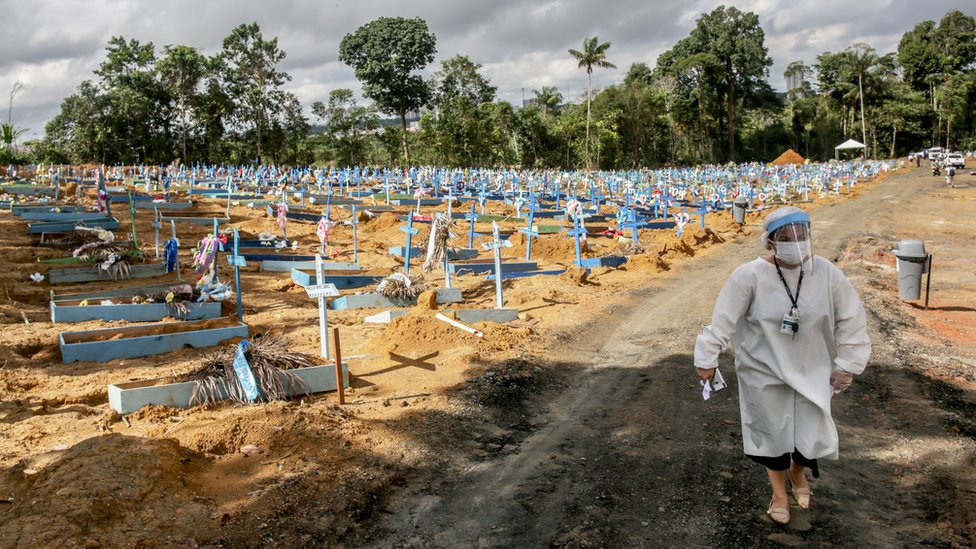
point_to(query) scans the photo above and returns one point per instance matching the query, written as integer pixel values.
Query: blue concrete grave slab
(163, 205)
(89, 274)
(20, 209)
(302, 216)
(609, 261)
(400, 251)
(61, 216)
(375, 300)
(126, 398)
(255, 244)
(283, 257)
(526, 274)
(334, 200)
(413, 202)
(71, 311)
(656, 225)
(470, 316)
(109, 224)
(117, 292)
(287, 266)
(126, 197)
(481, 266)
(106, 344)
(27, 190)
(341, 281)
(200, 219)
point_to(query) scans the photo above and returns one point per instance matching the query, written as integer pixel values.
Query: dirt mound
(97, 490)
(788, 157)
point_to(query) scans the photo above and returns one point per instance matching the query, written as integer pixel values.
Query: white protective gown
(784, 382)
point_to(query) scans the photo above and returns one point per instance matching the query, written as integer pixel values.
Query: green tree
(594, 54)
(136, 121)
(861, 60)
(548, 99)
(384, 54)
(736, 41)
(345, 121)
(182, 69)
(461, 128)
(249, 67)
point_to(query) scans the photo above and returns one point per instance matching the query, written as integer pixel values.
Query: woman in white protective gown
(800, 335)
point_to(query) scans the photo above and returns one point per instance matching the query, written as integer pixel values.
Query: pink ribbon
(323, 230)
(282, 220)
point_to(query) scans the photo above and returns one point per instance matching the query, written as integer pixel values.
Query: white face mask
(792, 253)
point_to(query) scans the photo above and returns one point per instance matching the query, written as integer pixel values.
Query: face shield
(790, 240)
(792, 247)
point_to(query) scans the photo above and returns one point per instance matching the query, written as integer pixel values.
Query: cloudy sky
(53, 45)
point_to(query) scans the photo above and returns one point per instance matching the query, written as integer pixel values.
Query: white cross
(497, 244)
(320, 291)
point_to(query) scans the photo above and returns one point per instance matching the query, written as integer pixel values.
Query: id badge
(790, 325)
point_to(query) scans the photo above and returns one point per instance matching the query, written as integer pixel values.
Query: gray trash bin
(912, 264)
(739, 210)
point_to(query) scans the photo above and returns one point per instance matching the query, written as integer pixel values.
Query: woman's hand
(840, 380)
(705, 374)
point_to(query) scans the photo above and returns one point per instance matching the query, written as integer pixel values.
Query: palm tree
(861, 60)
(594, 54)
(549, 98)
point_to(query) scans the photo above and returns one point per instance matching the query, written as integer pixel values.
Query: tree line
(707, 100)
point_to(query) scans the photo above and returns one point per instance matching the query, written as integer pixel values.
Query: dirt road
(624, 453)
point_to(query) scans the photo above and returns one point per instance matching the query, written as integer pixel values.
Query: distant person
(950, 173)
(800, 335)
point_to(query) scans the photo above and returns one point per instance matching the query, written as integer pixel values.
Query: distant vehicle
(935, 153)
(955, 160)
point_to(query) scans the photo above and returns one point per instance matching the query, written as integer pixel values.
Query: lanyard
(787, 286)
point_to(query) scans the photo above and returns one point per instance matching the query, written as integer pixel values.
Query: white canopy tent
(847, 145)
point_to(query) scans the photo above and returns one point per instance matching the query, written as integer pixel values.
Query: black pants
(782, 463)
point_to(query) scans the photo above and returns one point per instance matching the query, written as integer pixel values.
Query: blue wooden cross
(577, 232)
(703, 210)
(633, 226)
(529, 232)
(472, 217)
(496, 245)
(238, 261)
(482, 198)
(410, 232)
(355, 241)
(156, 225)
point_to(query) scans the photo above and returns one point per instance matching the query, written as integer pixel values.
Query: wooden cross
(320, 290)
(578, 231)
(156, 225)
(496, 245)
(406, 252)
(238, 261)
(355, 241)
(529, 231)
(471, 217)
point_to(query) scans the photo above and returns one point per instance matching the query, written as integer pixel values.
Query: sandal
(779, 515)
(802, 497)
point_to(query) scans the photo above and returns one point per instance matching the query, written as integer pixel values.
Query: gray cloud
(52, 45)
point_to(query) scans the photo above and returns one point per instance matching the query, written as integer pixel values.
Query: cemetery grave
(551, 271)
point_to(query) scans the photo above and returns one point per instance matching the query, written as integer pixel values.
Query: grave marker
(320, 291)
(410, 232)
(577, 232)
(238, 261)
(529, 232)
(496, 245)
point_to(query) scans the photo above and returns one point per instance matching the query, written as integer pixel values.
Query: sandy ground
(579, 425)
